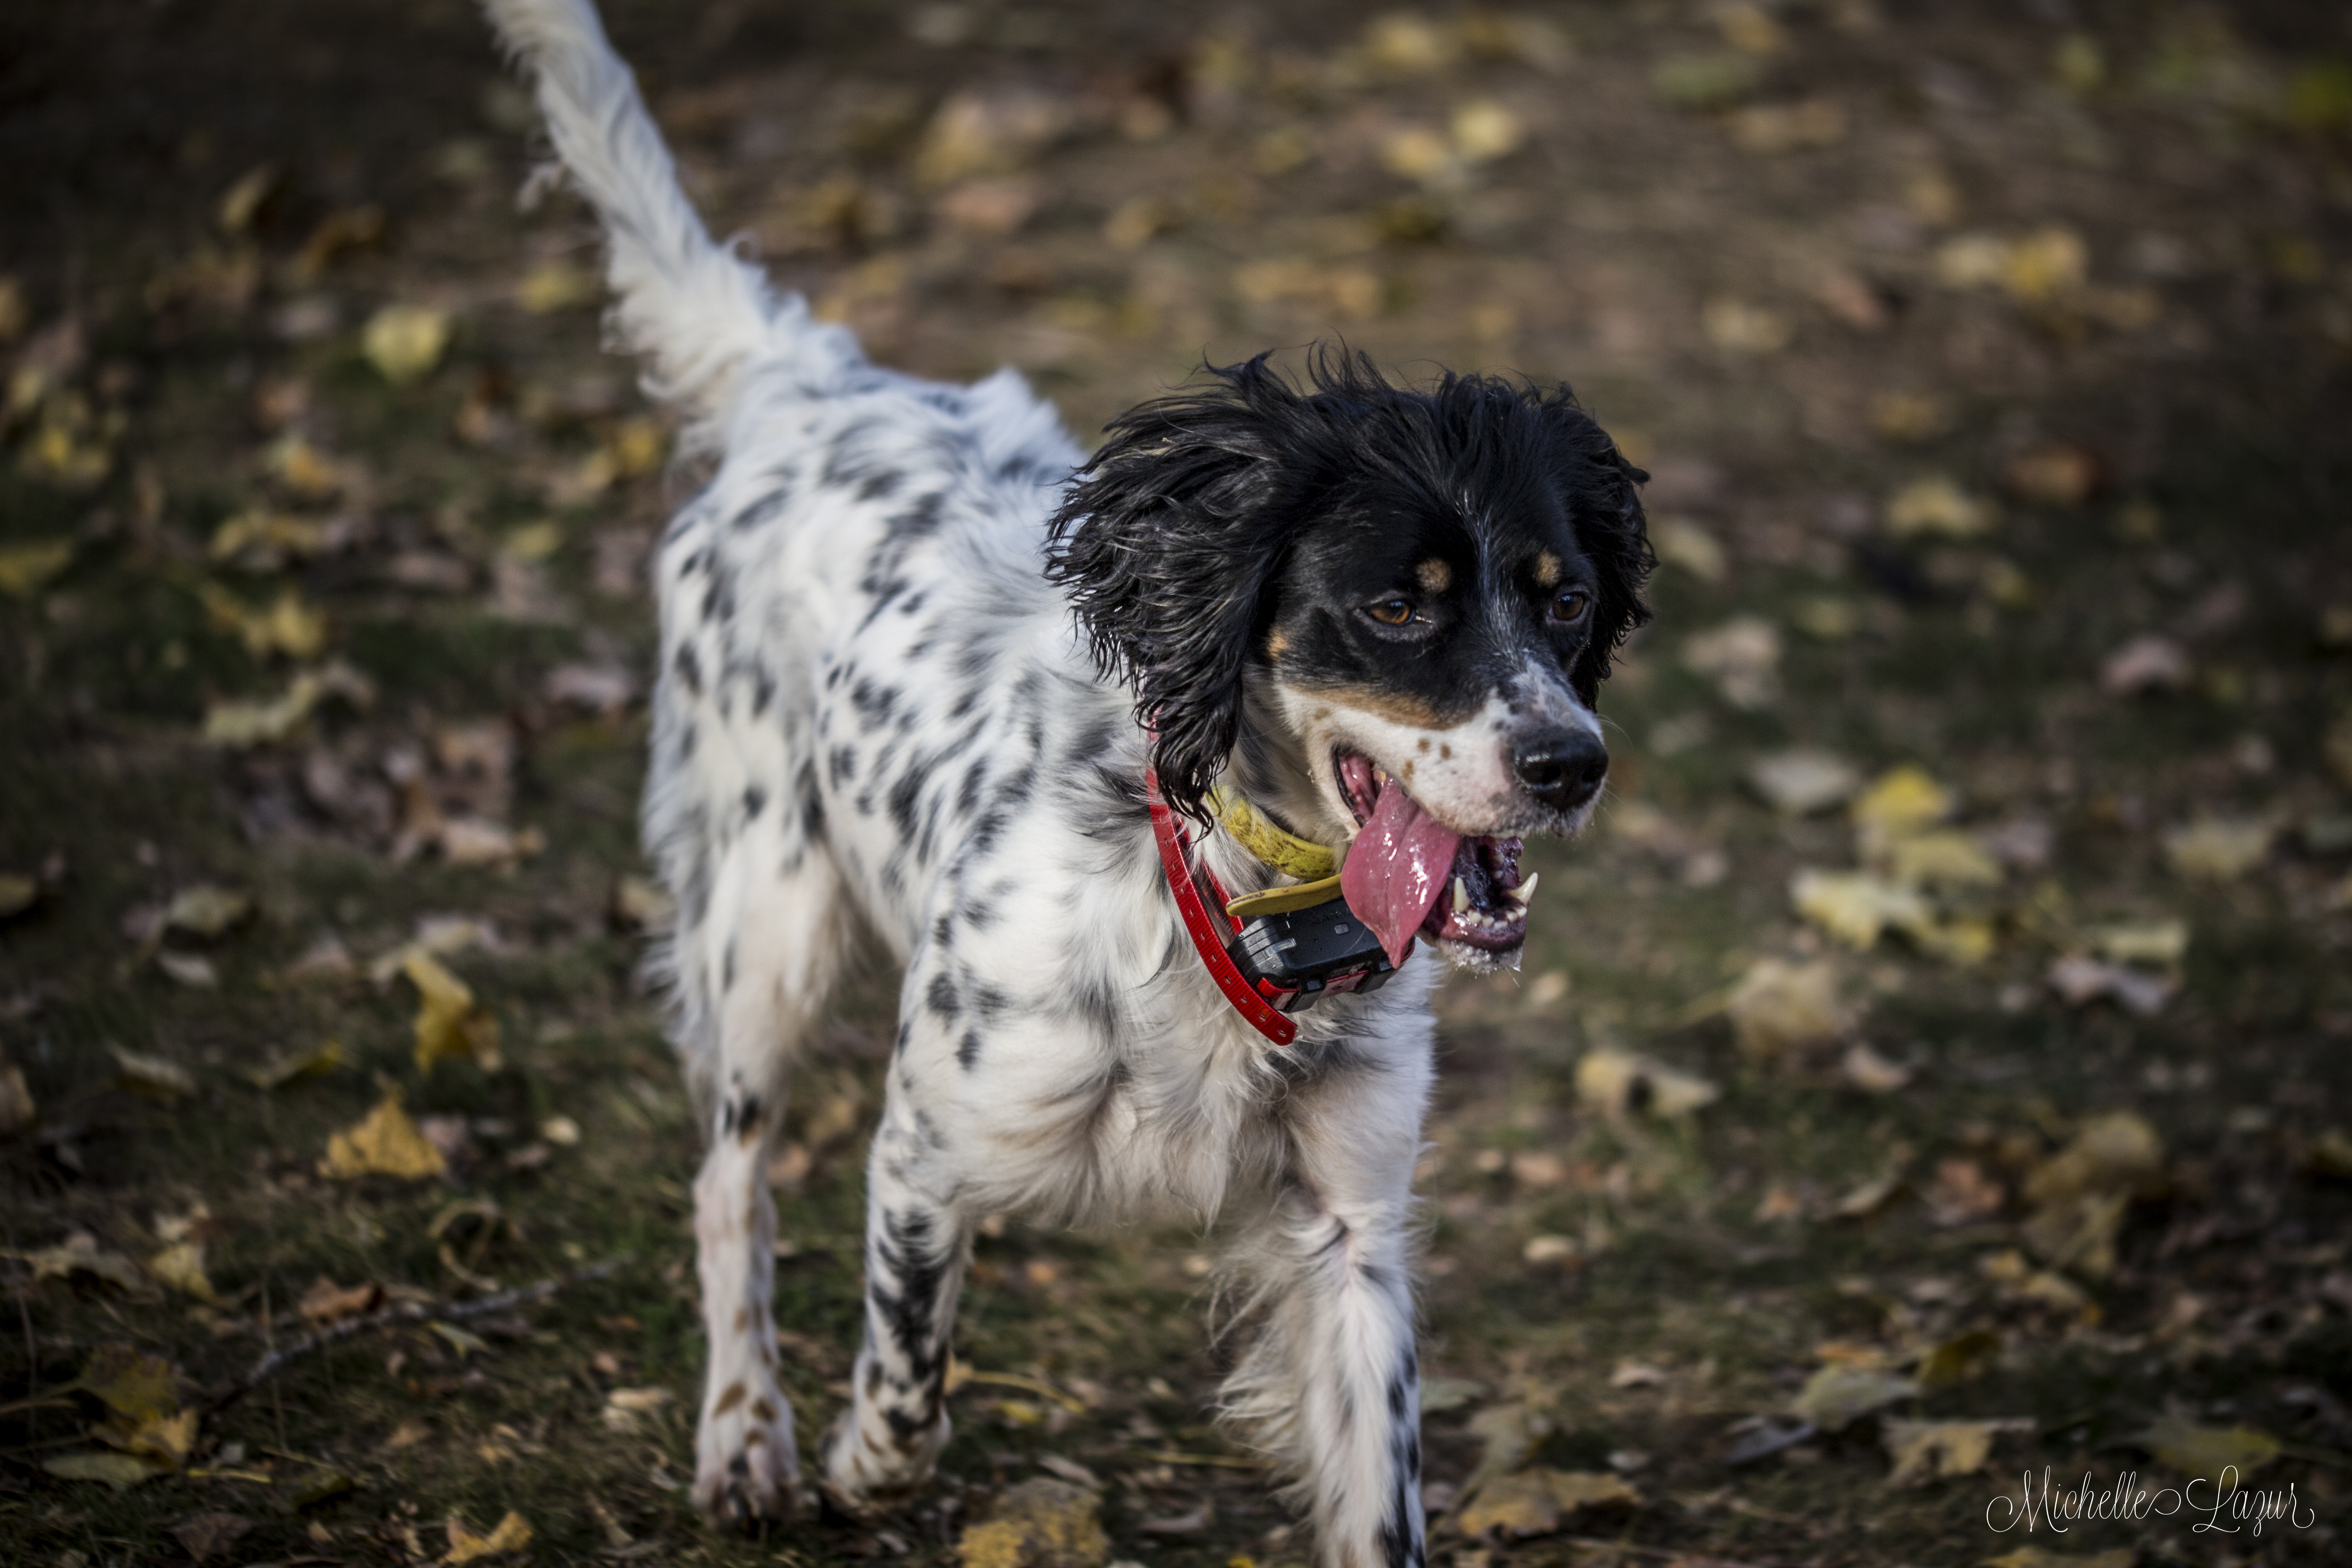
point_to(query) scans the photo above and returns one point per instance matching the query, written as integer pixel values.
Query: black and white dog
(918, 653)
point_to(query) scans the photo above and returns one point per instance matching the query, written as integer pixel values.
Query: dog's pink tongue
(1397, 867)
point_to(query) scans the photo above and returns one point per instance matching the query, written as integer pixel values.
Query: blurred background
(1930, 1070)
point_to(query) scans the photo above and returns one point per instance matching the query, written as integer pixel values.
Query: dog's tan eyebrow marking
(1434, 575)
(1547, 569)
(1276, 644)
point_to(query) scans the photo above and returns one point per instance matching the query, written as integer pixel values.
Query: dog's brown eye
(1571, 606)
(1389, 612)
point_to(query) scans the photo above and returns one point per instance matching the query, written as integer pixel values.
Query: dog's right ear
(1169, 544)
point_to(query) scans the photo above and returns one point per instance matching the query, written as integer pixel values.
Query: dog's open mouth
(1407, 872)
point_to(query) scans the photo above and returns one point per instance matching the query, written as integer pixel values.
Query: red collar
(1205, 922)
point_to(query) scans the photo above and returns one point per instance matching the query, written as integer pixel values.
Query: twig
(395, 1317)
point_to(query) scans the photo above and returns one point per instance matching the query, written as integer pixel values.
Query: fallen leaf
(18, 893)
(1902, 801)
(1857, 907)
(18, 1111)
(449, 1021)
(286, 626)
(1681, 542)
(2115, 1151)
(512, 1534)
(2143, 664)
(1871, 1196)
(1962, 1193)
(1778, 1009)
(2218, 849)
(1538, 1501)
(1932, 1450)
(328, 1303)
(27, 569)
(2043, 1557)
(322, 1485)
(2080, 979)
(207, 1535)
(2056, 473)
(1548, 1250)
(166, 1440)
(1836, 1396)
(2142, 941)
(557, 286)
(1439, 1394)
(623, 1406)
(1039, 1523)
(181, 1266)
(193, 970)
(1802, 781)
(242, 724)
(80, 1254)
(1738, 327)
(130, 1383)
(326, 1059)
(1705, 83)
(205, 910)
(1936, 507)
(1872, 1073)
(1742, 657)
(1958, 1358)
(1941, 859)
(385, 1142)
(151, 1077)
(1615, 1082)
(121, 1471)
(2207, 1451)
(1505, 1433)
(2077, 1233)
(405, 341)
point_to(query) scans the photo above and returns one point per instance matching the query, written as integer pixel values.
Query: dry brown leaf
(1538, 1501)
(1932, 1450)
(1779, 1009)
(1041, 1523)
(1838, 1395)
(1958, 1358)
(512, 1534)
(386, 1142)
(328, 1303)
(207, 1535)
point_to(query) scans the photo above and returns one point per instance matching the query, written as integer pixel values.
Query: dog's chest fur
(861, 661)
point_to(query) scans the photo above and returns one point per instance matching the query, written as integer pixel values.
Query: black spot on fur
(755, 801)
(916, 1269)
(942, 998)
(841, 766)
(689, 666)
(968, 1050)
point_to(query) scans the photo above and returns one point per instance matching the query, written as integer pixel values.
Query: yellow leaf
(1855, 907)
(242, 724)
(302, 469)
(556, 286)
(166, 1440)
(25, 569)
(205, 910)
(1938, 507)
(2116, 1151)
(1930, 1450)
(1681, 542)
(1904, 801)
(386, 1143)
(405, 341)
(2077, 1233)
(80, 1254)
(265, 535)
(1484, 130)
(2043, 1557)
(1952, 1360)
(1943, 859)
(182, 1267)
(2143, 942)
(448, 1023)
(131, 1384)
(1539, 1501)
(1039, 1523)
(1778, 1009)
(1836, 1396)
(326, 1059)
(2208, 1451)
(121, 1471)
(2218, 849)
(1616, 1082)
(512, 1534)
(286, 626)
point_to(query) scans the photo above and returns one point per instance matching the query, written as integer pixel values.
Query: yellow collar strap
(1283, 851)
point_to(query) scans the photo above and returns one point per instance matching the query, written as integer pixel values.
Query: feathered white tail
(697, 310)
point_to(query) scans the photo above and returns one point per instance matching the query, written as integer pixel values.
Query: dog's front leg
(884, 1444)
(1332, 1384)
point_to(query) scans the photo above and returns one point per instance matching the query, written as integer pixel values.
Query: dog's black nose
(1561, 768)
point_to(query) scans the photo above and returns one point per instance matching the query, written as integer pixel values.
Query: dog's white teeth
(1525, 891)
(1461, 898)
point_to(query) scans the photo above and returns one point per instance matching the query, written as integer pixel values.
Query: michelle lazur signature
(2215, 1506)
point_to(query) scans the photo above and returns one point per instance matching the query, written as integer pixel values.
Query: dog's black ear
(1602, 494)
(1169, 542)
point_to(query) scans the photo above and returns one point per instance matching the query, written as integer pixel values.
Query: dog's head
(1399, 602)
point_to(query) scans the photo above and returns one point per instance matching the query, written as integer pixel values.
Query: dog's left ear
(1603, 491)
(1169, 544)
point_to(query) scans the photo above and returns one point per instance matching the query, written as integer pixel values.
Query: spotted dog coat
(876, 712)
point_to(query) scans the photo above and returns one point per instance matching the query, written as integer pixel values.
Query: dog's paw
(867, 1474)
(746, 1474)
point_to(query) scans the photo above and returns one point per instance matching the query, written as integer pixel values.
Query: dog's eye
(1391, 611)
(1571, 605)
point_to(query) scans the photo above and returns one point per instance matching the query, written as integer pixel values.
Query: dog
(931, 672)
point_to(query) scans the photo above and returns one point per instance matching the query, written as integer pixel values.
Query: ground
(1931, 1070)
